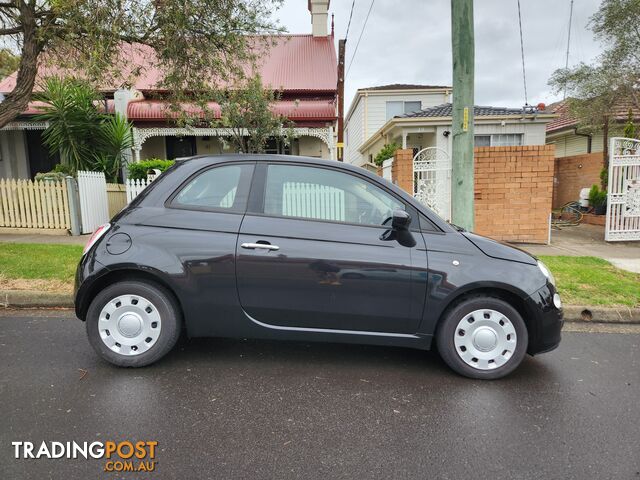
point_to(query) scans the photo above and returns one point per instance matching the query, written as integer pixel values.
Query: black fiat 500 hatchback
(283, 247)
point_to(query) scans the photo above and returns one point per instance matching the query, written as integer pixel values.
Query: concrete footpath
(588, 240)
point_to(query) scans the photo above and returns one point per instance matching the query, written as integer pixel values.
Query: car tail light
(95, 236)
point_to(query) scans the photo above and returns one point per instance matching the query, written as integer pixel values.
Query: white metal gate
(94, 206)
(623, 206)
(432, 180)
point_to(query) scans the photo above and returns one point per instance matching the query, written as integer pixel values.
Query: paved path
(588, 240)
(36, 238)
(255, 409)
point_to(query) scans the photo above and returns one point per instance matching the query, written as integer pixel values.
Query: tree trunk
(17, 101)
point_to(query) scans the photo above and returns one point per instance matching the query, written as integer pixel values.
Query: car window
(216, 188)
(325, 194)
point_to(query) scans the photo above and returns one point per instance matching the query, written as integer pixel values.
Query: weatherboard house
(303, 67)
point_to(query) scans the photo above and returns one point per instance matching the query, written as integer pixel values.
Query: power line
(566, 62)
(350, 17)
(355, 50)
(524, 72)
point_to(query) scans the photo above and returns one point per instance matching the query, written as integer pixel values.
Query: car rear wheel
(483, 338)
(133, 323)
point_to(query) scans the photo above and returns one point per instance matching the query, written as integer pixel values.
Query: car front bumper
(546, 321)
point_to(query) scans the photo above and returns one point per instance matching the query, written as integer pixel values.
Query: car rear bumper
(546, 321)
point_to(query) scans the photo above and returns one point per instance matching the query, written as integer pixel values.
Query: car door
(311, 253)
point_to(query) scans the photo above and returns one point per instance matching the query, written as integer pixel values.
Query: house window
(394, 109)
(482, 141)
(498, 140)
(398, 108)
(410, 107)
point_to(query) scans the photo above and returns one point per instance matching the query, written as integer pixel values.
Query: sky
(410, 42)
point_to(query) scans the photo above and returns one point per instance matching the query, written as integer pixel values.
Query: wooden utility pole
(341, 51)
(462, 183)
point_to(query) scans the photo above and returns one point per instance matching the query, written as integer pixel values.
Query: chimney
(319, 15)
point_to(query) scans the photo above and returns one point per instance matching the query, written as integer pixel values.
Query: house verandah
(22, 153)
(173, 142)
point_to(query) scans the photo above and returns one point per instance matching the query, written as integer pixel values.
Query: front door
(311, 254)
(178, 147)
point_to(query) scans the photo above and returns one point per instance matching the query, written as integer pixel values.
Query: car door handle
(266, 246)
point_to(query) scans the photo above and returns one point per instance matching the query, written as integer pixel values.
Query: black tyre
(133, 323)
(482, 337)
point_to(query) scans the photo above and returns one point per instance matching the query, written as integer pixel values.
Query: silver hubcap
(129, 325)
(485, 339)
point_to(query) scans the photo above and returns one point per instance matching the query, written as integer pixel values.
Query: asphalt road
(253, 409)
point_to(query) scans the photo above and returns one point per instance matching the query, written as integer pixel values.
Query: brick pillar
(402, 169)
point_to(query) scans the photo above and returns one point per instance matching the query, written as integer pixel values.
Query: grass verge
(34, 266)
(581, 280)
(593, 281)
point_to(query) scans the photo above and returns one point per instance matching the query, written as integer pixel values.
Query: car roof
(268, 157)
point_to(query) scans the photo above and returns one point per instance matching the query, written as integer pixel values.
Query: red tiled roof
(619, 113)
(294, 63)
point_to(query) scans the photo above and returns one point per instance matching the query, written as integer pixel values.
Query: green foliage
(630, 130)
(196, 45)
(604, 178)
(387, 152)
(8, 62)
(246, 111)
(139, 170)
(597, 197)
(612, 79)
(51, 176)
(85, 137)
(74, 120)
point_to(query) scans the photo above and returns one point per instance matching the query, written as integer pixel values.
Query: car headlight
(547, 273)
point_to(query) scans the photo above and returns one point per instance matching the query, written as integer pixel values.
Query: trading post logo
(122, 456)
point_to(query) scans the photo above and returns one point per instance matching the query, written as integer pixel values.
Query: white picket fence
(94, 204)
(34, 204)
(134, 187)
(314, 201)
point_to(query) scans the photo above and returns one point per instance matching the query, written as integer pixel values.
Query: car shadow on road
(321, 356)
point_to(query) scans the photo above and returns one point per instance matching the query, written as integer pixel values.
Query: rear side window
(218, 188)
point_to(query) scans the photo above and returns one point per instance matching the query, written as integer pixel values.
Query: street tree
(612, 80)
(197, 45)
(246, 110)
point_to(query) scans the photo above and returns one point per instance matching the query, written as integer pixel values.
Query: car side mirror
(400, 220)
(399, 230)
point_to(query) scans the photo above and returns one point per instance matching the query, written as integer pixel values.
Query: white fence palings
(34, 204)
(94, 205)
(134, 187)
(623, 202)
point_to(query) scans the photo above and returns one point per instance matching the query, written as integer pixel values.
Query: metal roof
(295, 63)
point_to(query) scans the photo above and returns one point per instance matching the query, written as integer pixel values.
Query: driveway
(588, 240)
(255, 409)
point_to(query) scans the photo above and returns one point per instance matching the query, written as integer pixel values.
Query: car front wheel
(482, 337)
(133, 323)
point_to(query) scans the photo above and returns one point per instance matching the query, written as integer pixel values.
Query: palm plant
(114, 140)
(74, 121)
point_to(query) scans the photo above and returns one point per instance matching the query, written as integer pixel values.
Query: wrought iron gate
(623, 206)
(432, 180)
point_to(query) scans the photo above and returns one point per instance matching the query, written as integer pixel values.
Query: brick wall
(513, 192)
(402, 169)
(574, 173)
